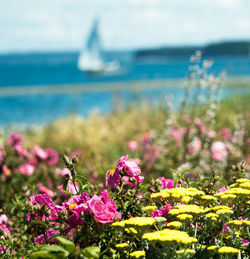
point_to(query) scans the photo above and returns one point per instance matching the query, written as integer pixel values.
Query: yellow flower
(138, 254)
(242, 180)
(228, 197)
(245, 185)
(119, 223)
(175, 224)
(235, 222)
(246, 222)
(186, 199)
(140, 221)
(208, 198)
(72, 205)
(212, 216)
(224, 211)
(185, 251)
(190, 208)
(149, 208)
(184, 216)
(131, 231)
(211, 248)
(169, 236)
(228, 250)
(219, 207)
(234, 185)
(122, 245)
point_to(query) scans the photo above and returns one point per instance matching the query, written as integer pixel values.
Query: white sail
(90, 58)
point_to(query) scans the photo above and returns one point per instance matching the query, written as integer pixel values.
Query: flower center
(72, 205)
(112, 171)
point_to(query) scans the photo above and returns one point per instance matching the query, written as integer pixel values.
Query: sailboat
(91, 59)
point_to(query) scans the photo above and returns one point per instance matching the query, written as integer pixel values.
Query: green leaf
(91, 252)
(66, 244)
(37, 222)
(42, 255)
(55, 249)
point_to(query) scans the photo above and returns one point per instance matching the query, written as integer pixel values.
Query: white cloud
(64, 24)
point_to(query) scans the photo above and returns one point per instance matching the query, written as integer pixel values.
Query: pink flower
(42, 199)
(16, 141)
(52, 156)
(152, 152)
(72, 188)
(63, 172)
(199, 124)
(2, 154)
(26, 169)
(133, 181)
(6, 170)
(74, 206)
(40, 153)
(103, 212)
(132, 145)
(4, 228)
(167, 183)
(223, 189)
(219, 151)
(77, 153)
(44, 189)
(146, 139)
(162, 212)
(211, 134)
(226, 133)
(3, 219)
(124, 167)
(245, 242)
(41, 239)
(195, 146)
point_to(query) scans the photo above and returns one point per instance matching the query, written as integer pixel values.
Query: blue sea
(31, 71)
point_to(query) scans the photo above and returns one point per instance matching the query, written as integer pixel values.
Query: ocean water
(38, 70)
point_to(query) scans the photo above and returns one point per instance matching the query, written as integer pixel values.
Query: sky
(64, 25)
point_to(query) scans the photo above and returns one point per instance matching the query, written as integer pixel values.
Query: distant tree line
(229, 48)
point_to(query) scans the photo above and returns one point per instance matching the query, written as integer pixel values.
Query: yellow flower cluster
(122, 245)
(131, 231)
(211, 248)
(136, 221)
(149, 208)
(178, 193)
(212, 216)
(235, 222)
(184, 216)
(185, 251)
(228, 250)
(186, 209)
(174, 224)
(241, 192)
(170, 235)
(224, 211)
(138, 254)
(208, 197)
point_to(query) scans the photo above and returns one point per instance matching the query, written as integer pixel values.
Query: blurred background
(61, 57)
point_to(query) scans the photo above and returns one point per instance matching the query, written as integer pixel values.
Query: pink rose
(132, 145)
(219, 151)
(26, 169)
(103, 212)
(40, 153)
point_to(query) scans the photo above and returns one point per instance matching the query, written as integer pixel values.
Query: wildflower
(122, 245)
(174, 224)
(212, 247)
(132, 145)
(40, 153)
(44, 189)
(52, 156)
(16, 141)
(208, 198)
(162, 212)
(124, 167)
(224, 211)
(140, 221)
(184, 216)
(103, 212)
(228, 197)
(219, 151)
(185, 251)
(130, 230)
(186, 199)
(228, 250)
(26, 169)
(235, 222)
(6, 170)
(242, 180)
(42, 239)
(212, 216)
(138, 254)
(149, 208)
(166, 183)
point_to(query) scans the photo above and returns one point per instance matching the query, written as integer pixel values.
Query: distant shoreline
(139, 85)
